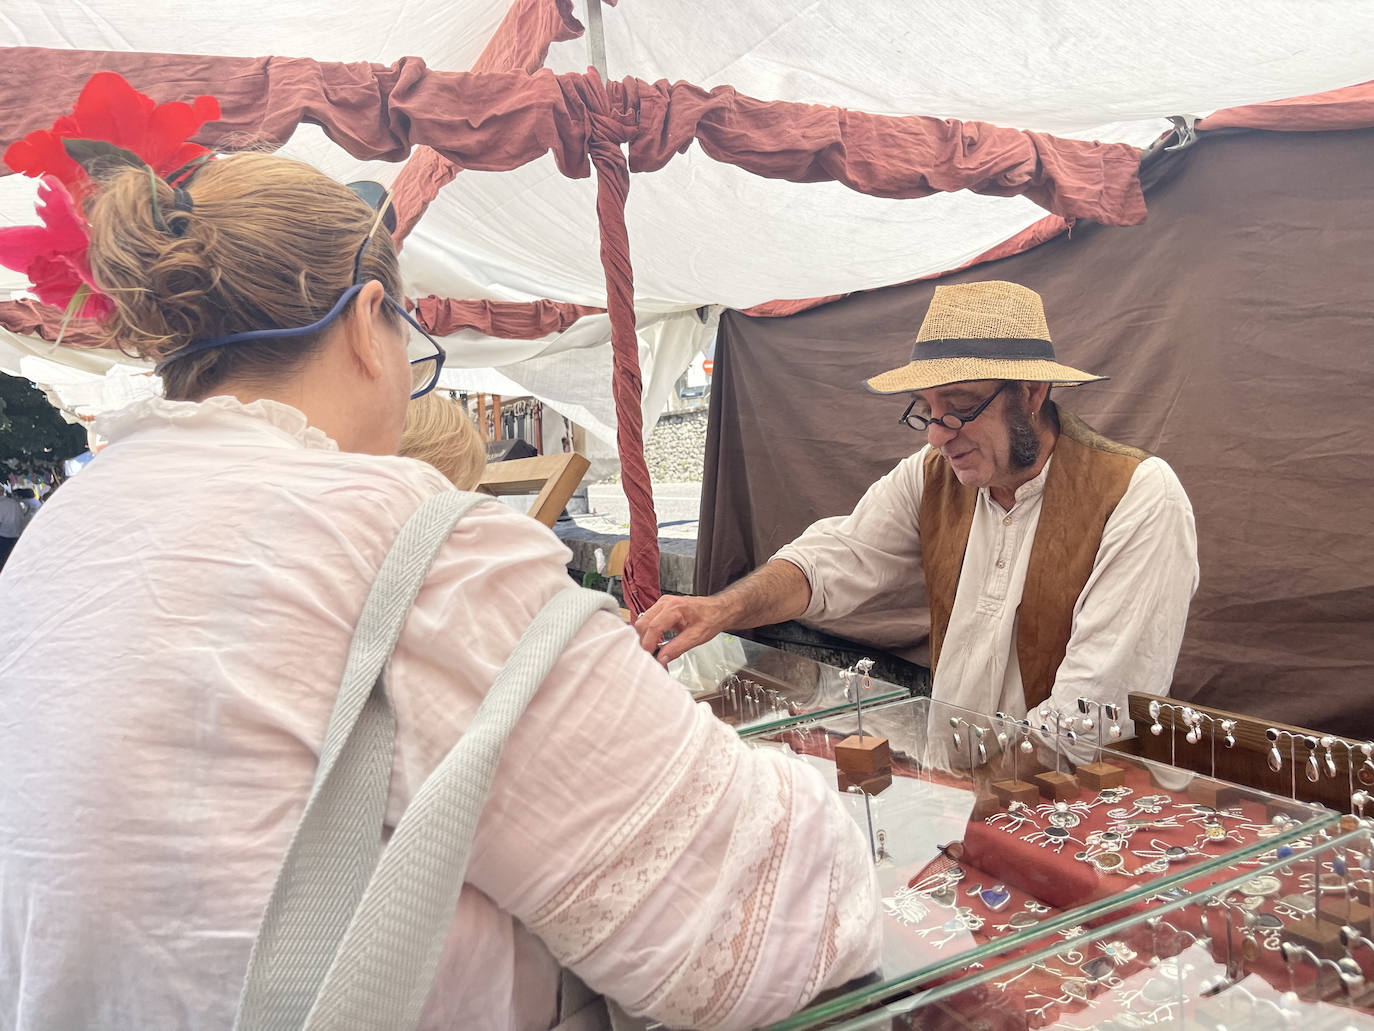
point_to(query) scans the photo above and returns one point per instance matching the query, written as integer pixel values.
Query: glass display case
(755, 687)
(1287, 943)
(991, 847)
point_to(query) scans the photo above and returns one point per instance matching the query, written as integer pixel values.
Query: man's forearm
(774, 593)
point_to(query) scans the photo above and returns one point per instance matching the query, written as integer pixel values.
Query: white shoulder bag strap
(348, 941)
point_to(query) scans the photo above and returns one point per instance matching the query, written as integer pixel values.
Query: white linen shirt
(175, 626)
(1127, 622)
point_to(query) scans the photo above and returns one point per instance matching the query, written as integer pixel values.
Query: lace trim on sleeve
(634, 860)
(712, 978)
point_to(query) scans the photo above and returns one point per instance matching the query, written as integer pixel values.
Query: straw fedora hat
(992, 330)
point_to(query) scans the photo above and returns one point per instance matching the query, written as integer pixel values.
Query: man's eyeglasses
(954, 421)
(425, 355)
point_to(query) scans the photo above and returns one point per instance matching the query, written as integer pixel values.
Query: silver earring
(1327, 743)
(1275, 756)
(1314, 772)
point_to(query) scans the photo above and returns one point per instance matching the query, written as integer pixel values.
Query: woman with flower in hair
(178, 619)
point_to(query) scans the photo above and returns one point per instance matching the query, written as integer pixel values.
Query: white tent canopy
(704, 233)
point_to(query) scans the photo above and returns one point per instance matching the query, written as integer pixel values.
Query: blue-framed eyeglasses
(950, 420)
(425, 355)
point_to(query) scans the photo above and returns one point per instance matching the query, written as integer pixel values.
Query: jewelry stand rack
(1341, 769)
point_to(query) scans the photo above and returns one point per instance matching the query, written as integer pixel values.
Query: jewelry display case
(1217, 952)
(755, 687)
(988, 843)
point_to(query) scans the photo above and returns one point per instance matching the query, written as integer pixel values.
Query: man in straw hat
(1057, 564)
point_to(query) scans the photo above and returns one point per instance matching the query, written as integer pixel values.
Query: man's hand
(696, 620)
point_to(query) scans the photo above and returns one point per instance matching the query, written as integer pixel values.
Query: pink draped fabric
(509, 320)
(520, 43)
(496, 121)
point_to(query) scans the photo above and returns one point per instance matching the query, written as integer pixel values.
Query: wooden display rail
(1248, 761)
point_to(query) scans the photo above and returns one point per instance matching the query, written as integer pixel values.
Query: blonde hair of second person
(438, 431)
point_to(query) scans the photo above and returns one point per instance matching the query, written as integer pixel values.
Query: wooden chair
(552, 477)
(615, 569)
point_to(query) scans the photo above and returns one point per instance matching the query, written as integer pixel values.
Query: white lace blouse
(174, 628)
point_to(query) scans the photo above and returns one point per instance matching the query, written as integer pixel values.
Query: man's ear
(368, 348)
(1036, 395)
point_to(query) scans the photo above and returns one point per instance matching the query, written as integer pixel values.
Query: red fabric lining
(521, 43)
(509, 320)
(1350, 107)
(33, 318)
(499, 121)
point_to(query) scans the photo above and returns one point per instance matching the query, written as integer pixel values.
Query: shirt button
(1001, 564)
(1006, 521)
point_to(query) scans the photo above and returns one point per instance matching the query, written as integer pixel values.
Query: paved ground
(677, 505)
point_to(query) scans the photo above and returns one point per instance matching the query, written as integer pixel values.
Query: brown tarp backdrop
(1237, 325)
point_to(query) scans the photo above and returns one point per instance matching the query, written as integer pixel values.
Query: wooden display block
(1213, 793)
(1361, 890)
(1059, 786)
(1100, 775)
(1008, 791)
(870, 785)
(986, 805)
(1321, 936)
(1343, 910)
(862, 757)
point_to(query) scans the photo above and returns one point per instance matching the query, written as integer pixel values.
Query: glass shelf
(1239, 951)
(757, 688)
(1028, 869)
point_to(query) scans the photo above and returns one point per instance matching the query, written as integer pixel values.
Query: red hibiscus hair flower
(112, 111)
(111, 118)
(53, 255)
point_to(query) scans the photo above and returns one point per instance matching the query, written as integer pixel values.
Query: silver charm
(907, 905)
(1156, 728)
(964, 919)
(1051, 837)
(1275, 756)
(1328, 743)
(1017, 814)
(1163, 851)
(994, 898)
(1313, 771)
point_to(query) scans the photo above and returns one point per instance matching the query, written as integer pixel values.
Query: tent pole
(596, 38)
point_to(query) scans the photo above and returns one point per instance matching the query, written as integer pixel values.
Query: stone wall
(676, 449)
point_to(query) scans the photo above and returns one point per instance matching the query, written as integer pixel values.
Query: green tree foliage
(33, 437)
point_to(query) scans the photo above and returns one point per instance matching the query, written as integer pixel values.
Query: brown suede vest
(1086, 481)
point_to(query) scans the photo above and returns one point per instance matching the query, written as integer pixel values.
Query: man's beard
(1025, 445)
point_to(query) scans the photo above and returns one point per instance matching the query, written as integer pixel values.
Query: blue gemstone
(1338, 864)
(994, 900)
(1285, 852)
